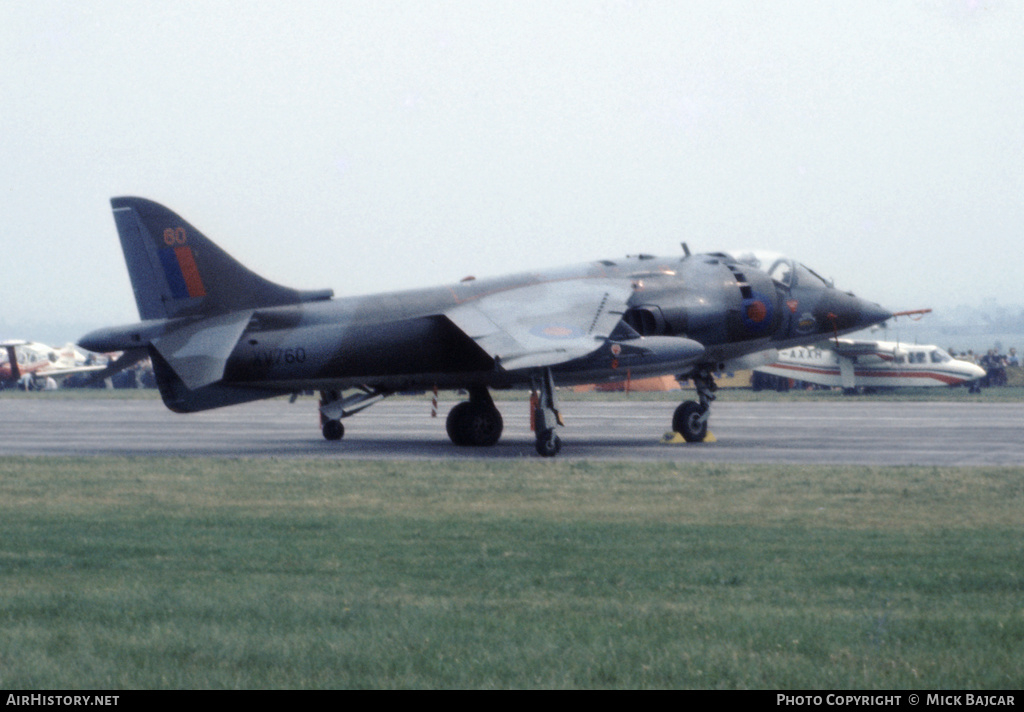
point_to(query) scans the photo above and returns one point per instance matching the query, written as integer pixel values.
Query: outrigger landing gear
(333, 408)
(691, 419)
(546, 415)
(331, 428)
(476, 422)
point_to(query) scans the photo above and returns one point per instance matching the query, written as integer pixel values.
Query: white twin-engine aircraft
(33, 364)
(872, 364)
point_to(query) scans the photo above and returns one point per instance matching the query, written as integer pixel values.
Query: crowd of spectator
(994, 363)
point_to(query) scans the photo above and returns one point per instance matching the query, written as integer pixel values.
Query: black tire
(687, 422)
(548, 444)
(474, 425)
(456, 432)
(333, 430)
(483, 425)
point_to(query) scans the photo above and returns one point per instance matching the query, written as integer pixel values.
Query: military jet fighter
(872, 364)
(218, 334)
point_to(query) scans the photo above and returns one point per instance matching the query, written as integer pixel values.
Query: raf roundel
(757, 313)
(556, 331)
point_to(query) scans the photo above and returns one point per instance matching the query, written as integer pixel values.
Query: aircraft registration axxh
(872, 364)
(31, 363)
(218, 334)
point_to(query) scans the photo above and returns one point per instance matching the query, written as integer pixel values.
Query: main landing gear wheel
(689, 421)
(474, 424)
(333, 430)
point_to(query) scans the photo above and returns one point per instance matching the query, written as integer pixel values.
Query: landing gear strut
(476, 422)
(331, 427)
(333, 408)
(546, 415)
(691, 419)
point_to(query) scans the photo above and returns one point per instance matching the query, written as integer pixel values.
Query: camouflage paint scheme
(219, 334)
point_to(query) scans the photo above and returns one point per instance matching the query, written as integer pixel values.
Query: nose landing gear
(691, 418)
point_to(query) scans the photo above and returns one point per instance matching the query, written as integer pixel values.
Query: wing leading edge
(543, 324)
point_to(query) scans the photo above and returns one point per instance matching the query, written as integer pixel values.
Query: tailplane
(177, 271)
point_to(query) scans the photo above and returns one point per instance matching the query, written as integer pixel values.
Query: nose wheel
(691, 419)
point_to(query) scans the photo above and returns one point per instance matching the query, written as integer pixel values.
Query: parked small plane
(32, 363)
(218, 334)
(872, 364)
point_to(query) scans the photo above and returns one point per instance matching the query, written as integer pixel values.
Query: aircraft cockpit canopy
(924, 355)
(784, 270)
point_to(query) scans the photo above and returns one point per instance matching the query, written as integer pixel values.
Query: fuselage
(875, 365)
(670, 315)
(402, 340)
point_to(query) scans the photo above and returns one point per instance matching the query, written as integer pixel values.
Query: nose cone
(844, 312)
(871, 313)
(970, 371)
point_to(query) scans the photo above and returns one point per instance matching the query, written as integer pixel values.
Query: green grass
(193, 573)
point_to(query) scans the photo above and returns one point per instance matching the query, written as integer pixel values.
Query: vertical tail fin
(12, 359)
(177, 271)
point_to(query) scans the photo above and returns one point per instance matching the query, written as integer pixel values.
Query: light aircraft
(218, 334)
(32, 363)
(872, 364)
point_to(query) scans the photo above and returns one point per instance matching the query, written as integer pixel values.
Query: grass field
(193, 573)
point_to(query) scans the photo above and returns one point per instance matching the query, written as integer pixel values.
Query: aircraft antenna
(915, 314)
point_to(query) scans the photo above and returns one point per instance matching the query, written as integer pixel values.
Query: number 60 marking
(174, 236)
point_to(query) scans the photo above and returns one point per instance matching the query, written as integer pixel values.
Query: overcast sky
(372, 146)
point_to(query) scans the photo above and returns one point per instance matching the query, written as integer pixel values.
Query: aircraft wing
(126, 360)
(863, 351)
(822, 375)
(543, 324)
(57, 372)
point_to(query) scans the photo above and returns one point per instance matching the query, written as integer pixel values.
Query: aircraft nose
(871, 313)
(845, 312)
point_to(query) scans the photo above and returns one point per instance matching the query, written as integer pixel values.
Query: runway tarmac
(853, 431)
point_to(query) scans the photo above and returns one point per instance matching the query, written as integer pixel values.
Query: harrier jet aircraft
(218, 334)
